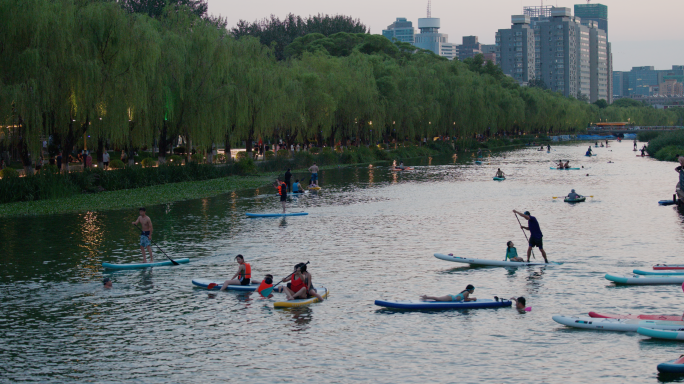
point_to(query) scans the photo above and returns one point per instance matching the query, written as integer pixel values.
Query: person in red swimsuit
(296, 288)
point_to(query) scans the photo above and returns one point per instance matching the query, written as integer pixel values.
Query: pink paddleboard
(635, 317)
(660, 267)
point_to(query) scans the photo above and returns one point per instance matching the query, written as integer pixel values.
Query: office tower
(489, 52)
(469, 48)
(515, 49)
(599, 13)
(401, 30)
(617, 84)
(429, 38)
(647, 81)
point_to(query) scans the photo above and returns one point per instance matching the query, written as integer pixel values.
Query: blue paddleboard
(439, 305)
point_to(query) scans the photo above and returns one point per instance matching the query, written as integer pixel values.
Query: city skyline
(633, 45)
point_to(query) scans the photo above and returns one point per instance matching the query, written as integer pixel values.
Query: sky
(642, 33)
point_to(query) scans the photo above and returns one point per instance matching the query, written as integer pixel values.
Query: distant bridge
(615, 128)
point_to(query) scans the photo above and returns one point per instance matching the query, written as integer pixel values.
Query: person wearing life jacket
(296, 288)
(281, 187)
(311, 291)
(243, 275)
(266, 287)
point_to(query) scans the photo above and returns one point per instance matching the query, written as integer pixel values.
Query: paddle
(524, 233)
(162, 251)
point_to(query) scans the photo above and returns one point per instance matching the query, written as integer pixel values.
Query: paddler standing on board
(535, 234)
(146, 235)
(281, 187)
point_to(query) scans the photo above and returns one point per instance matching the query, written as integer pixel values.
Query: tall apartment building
(599, 13)
(489, 52)
(469, 48)
(401, 30)
(515, 49)
(429, 38)
(598, 63)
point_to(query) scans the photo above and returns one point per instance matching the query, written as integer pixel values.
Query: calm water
(371, 234)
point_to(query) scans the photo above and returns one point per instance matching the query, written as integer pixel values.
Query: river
(371, 234)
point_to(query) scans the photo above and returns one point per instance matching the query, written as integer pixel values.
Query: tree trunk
(100, 152)
(226, 149)
(69, 141)
(210, 154)
(163, 145)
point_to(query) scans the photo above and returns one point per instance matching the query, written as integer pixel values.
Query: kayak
(667, 202)
(658, 273)
(204, 283)
(499, 178)
(577, 200)
(659, 267)
(144, 265)
(275, 214)
(566, 169)
(651, 280)
(491, 263)
(672, 366)
(661, 334)
(635, 317)
(440, 305)
(618, 325)
(302, 302)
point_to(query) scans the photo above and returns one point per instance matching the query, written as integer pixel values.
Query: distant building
(515, 49)
(599, 13)
(617, 84)
(489, 52)
(401, 30)
(429, 38)
(469, 48)
(598, 64)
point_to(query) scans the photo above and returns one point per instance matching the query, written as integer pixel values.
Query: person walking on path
(314, 174)
(288, 179)
(535, 234)
(146, 235)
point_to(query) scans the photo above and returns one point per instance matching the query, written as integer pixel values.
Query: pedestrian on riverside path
(288, 180)
(535, 234)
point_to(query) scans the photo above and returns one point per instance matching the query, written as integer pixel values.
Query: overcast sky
(642, 32)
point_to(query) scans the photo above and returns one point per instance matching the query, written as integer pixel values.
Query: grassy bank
(665, 146)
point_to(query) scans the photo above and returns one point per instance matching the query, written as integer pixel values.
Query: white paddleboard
(645, 280)
(492, 263)
(619, 325)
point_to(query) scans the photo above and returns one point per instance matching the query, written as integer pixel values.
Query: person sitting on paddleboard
(560, 164)
(266, 287)
(573, 196)
(296, 288)
(243, 275)
(566, 165)
(296, 187)
(548, 147)
(499, 173)
(535, 234)
(512, 253)
(643, 152)
(401, 165)
(463, 296)
(309, 282)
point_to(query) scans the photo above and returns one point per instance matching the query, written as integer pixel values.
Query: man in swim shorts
(535, 234)
(243, 275)
(314, 174)
(146, 235)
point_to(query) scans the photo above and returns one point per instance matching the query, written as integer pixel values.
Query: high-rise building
(489, 52)
(599, 13)
(515, 49)
(647, 81)
(429, 38)
(598, 63)
(401, 30)
(469, 48)
(617, 84)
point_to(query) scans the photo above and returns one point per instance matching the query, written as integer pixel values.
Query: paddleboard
(672, 366)
(499, 178)
(589, 155)
(618, 325)
(275, 214)
(478, 162)
(566, 169)
(405, 169)
(667, 202)
(323, 291)
(658, 273)
(491, 263)
(204, 283)
(661, 334)
(314, 188)
(650, 280)
(659, 267)
(144, 265)
(440, 305)
(635, 317)
(578, 200)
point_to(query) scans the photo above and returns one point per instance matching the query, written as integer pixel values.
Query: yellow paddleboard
(323, 291)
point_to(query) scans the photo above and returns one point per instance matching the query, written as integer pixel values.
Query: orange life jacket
(248, 272)
(282, 189)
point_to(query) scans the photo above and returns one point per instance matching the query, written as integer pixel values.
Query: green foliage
(283, 153)
(9, 173)
(269, 155)
(174, 160)
(116, 164)
(220, 158)
(240, 155)
(314, 150)
(197, 158)
(667, 142)
(669, 153)
(148, 162)
(245, 167)
(303, 159)
(627, 102)
(179, 150)
(327, 158)
(602, 104)
(648, 135)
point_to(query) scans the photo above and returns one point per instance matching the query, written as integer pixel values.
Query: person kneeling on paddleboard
(243, 275)
(463, 296)
(308, 281)
(512, 253)
(535, 234)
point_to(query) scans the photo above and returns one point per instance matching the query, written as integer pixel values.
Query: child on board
(464, 296)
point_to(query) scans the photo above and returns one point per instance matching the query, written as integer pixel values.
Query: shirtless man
(146, 235)
(314, 174)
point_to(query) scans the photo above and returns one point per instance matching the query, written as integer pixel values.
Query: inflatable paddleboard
(204, 283)
(566, 169)
(323, 291)
(660, 267)
(314, 188)
(275, 214)
(667, 202)
(440, 305)
(617, 325)
(635, 317)
(650, 280)
(661, 334)
(659, 273)
(672, 366)
(405, 169)
(144, 265)
(578, 200)
(499, 178)
(491, 263)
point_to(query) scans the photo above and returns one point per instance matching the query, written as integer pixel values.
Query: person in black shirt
(288, 180)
